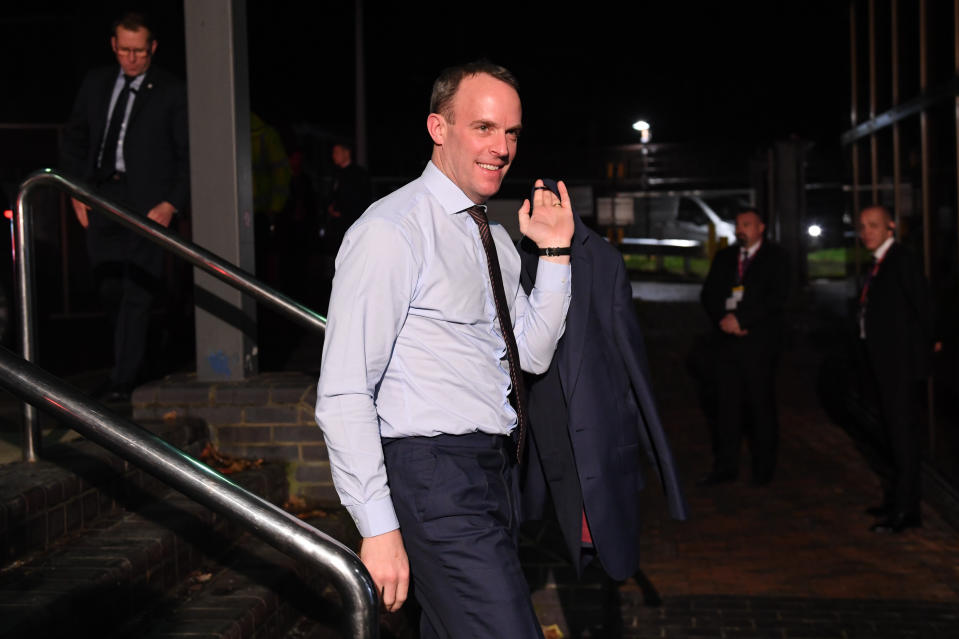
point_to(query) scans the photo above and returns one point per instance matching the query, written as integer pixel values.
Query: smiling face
(476, 145)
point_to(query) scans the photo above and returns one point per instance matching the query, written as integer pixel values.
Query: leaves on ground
(224, 463)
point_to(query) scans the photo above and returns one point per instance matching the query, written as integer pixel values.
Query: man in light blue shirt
(413, 396)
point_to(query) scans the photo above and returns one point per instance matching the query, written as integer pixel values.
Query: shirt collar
(880, 252)
(752, 250)
(450, 197)
(137, 81)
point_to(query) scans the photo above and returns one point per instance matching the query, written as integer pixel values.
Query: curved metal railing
(168, 240)
(40, 389)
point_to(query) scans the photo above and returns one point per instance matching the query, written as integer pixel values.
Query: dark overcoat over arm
(593, 416)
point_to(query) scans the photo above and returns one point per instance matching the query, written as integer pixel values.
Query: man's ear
(436, 125)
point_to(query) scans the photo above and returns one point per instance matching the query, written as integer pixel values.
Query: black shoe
(716, 477)
(896, 523)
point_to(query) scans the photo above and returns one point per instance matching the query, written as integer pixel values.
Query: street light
(644, 130)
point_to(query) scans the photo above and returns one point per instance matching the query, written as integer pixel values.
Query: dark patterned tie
(108, 158)
(517, 395)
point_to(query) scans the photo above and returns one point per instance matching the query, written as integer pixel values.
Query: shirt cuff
(374, 517)
(551, 276)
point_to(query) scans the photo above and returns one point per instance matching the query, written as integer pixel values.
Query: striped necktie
(517, 394)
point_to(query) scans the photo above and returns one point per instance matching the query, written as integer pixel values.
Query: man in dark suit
(593, 416)
(744, 296)
(894, 326)
(127, 137)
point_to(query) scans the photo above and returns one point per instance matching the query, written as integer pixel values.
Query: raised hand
(550, 224)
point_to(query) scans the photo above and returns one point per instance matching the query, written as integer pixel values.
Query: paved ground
(793, 559)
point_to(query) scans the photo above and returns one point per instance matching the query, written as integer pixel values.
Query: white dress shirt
(135, 85)
(413, 346)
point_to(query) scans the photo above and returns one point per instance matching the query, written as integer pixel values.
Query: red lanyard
(872, 274)
(743, 264)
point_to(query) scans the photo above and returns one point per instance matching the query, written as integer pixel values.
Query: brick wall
(269, 417)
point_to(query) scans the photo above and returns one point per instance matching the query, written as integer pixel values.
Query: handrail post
(169, 241)
(201, 483)
(23, 261)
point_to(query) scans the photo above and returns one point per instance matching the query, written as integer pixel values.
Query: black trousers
(457, 501)
(896, 397)
(127, 270)
(745, 395)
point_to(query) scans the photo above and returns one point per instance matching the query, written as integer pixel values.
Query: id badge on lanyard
(735, 297)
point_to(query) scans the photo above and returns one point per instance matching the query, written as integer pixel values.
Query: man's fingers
(539, 194)
(402, 592)
(523, 215)
(563, 193)
(80, 209)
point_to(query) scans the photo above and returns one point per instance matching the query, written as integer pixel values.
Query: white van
(673, 216)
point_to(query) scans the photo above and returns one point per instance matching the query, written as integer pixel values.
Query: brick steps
(120, 563)
(75, 484)
(251, 591)
(92, 546)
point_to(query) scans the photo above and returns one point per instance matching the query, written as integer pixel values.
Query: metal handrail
(132, 442)
(200, 482)
(168, 240)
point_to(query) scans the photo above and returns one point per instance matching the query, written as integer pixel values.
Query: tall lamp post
(645, 134)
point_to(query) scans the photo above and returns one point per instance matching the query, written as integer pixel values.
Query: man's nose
(500, 144)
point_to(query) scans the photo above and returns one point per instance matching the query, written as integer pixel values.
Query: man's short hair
(884, 210)
(134, 21)
(742, 210)
(343, 142)
(446, 85)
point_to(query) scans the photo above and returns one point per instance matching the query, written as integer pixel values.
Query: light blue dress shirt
(412, 346)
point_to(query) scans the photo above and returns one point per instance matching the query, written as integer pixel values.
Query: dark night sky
(706, 72)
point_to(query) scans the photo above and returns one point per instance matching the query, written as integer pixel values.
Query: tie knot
(478, 213)
(128, 80)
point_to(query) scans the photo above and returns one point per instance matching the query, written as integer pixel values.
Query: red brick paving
(792, 559)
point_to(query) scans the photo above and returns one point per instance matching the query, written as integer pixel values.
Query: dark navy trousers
(457, 501)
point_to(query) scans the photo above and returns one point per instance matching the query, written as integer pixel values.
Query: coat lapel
(142, 95)
(570, 358)
(103, 107)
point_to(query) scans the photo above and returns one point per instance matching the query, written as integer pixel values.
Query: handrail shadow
(40, 389)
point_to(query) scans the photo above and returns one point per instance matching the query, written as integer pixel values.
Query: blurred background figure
(350, 194)
(894, 324)
(127, 137)
(271, 190)
(744, 296)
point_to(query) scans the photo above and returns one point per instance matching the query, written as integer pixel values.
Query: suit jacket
(155, 147)
(899, 321)
(766, 288)
(592, 415)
